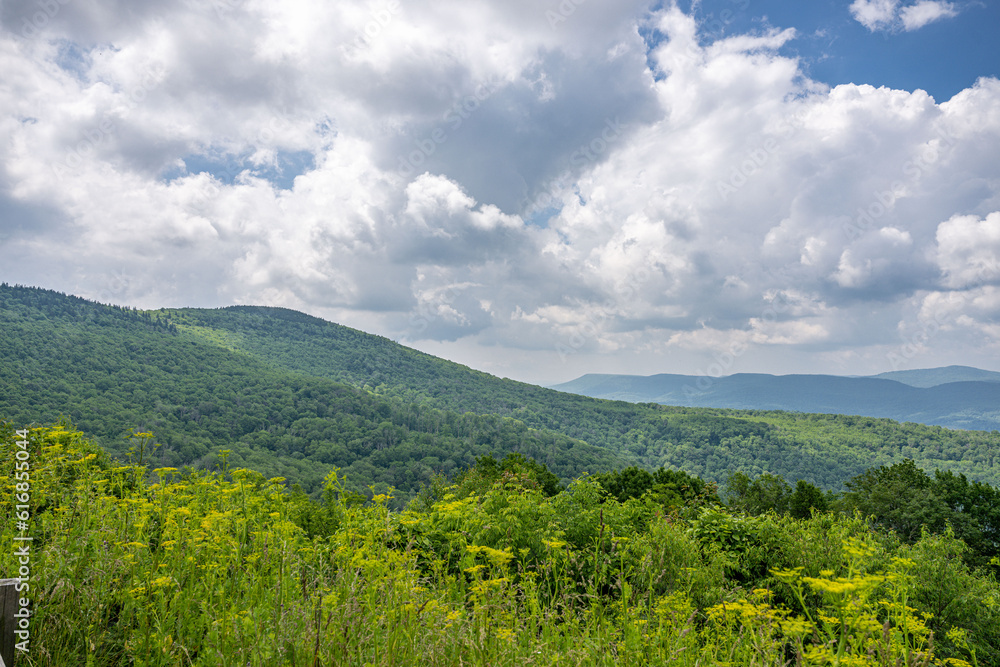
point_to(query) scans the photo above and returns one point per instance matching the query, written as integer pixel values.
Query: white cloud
(924, 12)
(968, 250)
(874, 14)
(470, 179)
(888, 15)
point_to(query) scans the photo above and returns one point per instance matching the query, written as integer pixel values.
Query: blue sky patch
(942, 57)
(227, 169)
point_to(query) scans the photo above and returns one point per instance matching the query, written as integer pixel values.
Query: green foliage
(229, 568)
(905, 499)
(974, 514)
(805, 499)
(942, 584)
(513, 469)
(846, 622)
(771, 493)
(766, 493)
(665, 488)
(901, 498)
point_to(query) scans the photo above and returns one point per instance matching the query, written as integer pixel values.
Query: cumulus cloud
(874, 14)
(968, 250)
(537, 197)
(888, 15)
(924, 12)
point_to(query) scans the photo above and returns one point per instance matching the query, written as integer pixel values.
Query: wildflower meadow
(140, 567)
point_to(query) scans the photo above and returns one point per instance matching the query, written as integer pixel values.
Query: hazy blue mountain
(964, 404)
(931, 377)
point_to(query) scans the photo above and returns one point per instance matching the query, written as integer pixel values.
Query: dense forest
(501, 565)
(292, 395)
(112, 370)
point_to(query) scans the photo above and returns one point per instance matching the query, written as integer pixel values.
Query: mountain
(293, 395)
(968, 404)
(931, 377)
(111, 369)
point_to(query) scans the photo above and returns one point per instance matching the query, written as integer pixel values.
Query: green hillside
(293, 395)
(111, 370)
(704, 441)
(297, 342)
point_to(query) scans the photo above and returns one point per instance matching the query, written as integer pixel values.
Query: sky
(535, 188)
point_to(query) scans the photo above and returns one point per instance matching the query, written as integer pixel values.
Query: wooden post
(8, 607)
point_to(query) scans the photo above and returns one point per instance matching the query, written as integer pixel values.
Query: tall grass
(227, 568)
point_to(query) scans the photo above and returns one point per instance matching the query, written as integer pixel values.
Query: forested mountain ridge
(298, 342)
(111, 369)
(293, 395)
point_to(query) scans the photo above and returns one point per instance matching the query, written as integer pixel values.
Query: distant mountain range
(932, 377)
(953, 396)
